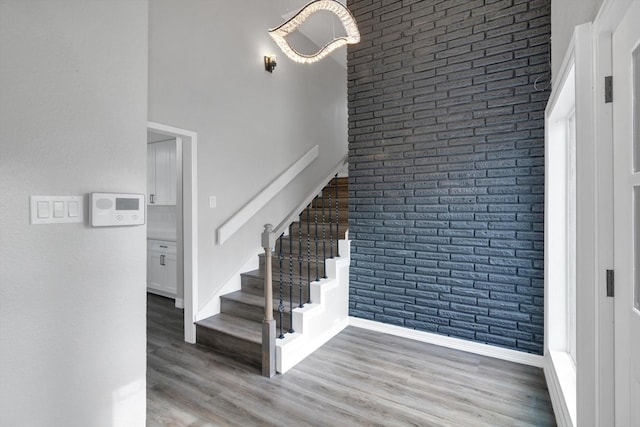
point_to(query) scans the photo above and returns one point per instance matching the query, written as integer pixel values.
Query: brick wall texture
(446, 166)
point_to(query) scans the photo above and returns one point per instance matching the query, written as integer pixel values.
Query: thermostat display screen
(128, 204)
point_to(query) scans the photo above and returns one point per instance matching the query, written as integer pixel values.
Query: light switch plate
(42, 208)
(212, 201)
(56, 209)
(72, 208)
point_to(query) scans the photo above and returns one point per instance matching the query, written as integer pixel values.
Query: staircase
(237, 331)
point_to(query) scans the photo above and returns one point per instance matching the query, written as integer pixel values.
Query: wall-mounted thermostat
(113, 209)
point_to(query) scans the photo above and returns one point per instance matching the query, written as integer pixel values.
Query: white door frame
(571, 384)
(595, 398)
(600, 405)
(189, 235)
(627, 375)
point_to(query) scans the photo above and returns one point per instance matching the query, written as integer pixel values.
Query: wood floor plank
(358, 378)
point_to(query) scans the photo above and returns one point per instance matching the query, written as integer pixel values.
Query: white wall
(73, 114)
(206, 74)
(565, 15)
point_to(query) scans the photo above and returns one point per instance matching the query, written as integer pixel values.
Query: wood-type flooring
(359, 378)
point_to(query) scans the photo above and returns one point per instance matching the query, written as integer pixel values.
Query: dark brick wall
(446, 166)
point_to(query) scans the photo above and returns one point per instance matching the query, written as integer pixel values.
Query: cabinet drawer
(161, 246)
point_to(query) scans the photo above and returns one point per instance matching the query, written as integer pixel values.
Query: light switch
(58, 209)
(43, 209)
(73, 209)
(212, 201)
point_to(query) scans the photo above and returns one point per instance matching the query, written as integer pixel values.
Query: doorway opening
(186, 220)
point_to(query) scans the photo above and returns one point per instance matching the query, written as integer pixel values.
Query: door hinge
(608, 89)
(610, 283)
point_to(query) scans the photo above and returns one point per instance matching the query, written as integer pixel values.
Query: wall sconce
(270, 63)
(346, 18)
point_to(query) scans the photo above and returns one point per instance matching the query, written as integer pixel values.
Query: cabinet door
(155, 272)
(151, 173)
(162, 267)
(171, 273)
(165, 173)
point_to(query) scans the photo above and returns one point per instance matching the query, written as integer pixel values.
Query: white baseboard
(449, 342)
(561, 383)
(179, 303)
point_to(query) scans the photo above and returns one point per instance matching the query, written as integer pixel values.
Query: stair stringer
(323, 318)
(212, 307)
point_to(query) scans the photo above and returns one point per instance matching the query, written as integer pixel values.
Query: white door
(626, 140)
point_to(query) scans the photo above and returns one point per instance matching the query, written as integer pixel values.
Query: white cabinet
(161, 173)
(162, 272)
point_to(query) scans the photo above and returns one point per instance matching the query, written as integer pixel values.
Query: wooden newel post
(268, 323)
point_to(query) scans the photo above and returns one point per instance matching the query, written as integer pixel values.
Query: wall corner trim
(449, 342)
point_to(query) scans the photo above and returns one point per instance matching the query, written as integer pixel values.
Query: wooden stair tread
(275, 260)
(254, 300)
(343, 199)
(258, 274)
(343, 225)
(242, 328)
(338, 182)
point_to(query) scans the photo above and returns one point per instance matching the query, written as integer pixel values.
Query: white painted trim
(190, 221)
(565, 68)
(561, 101)
(449, 342)
(558, 402)
(234, 223)
(625, 35)
(179, 221)
(609, 15)
(584, 394)
(603, 402)
(588, 388)
(162, 140)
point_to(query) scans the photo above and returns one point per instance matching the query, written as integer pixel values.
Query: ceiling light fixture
(353, 35)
